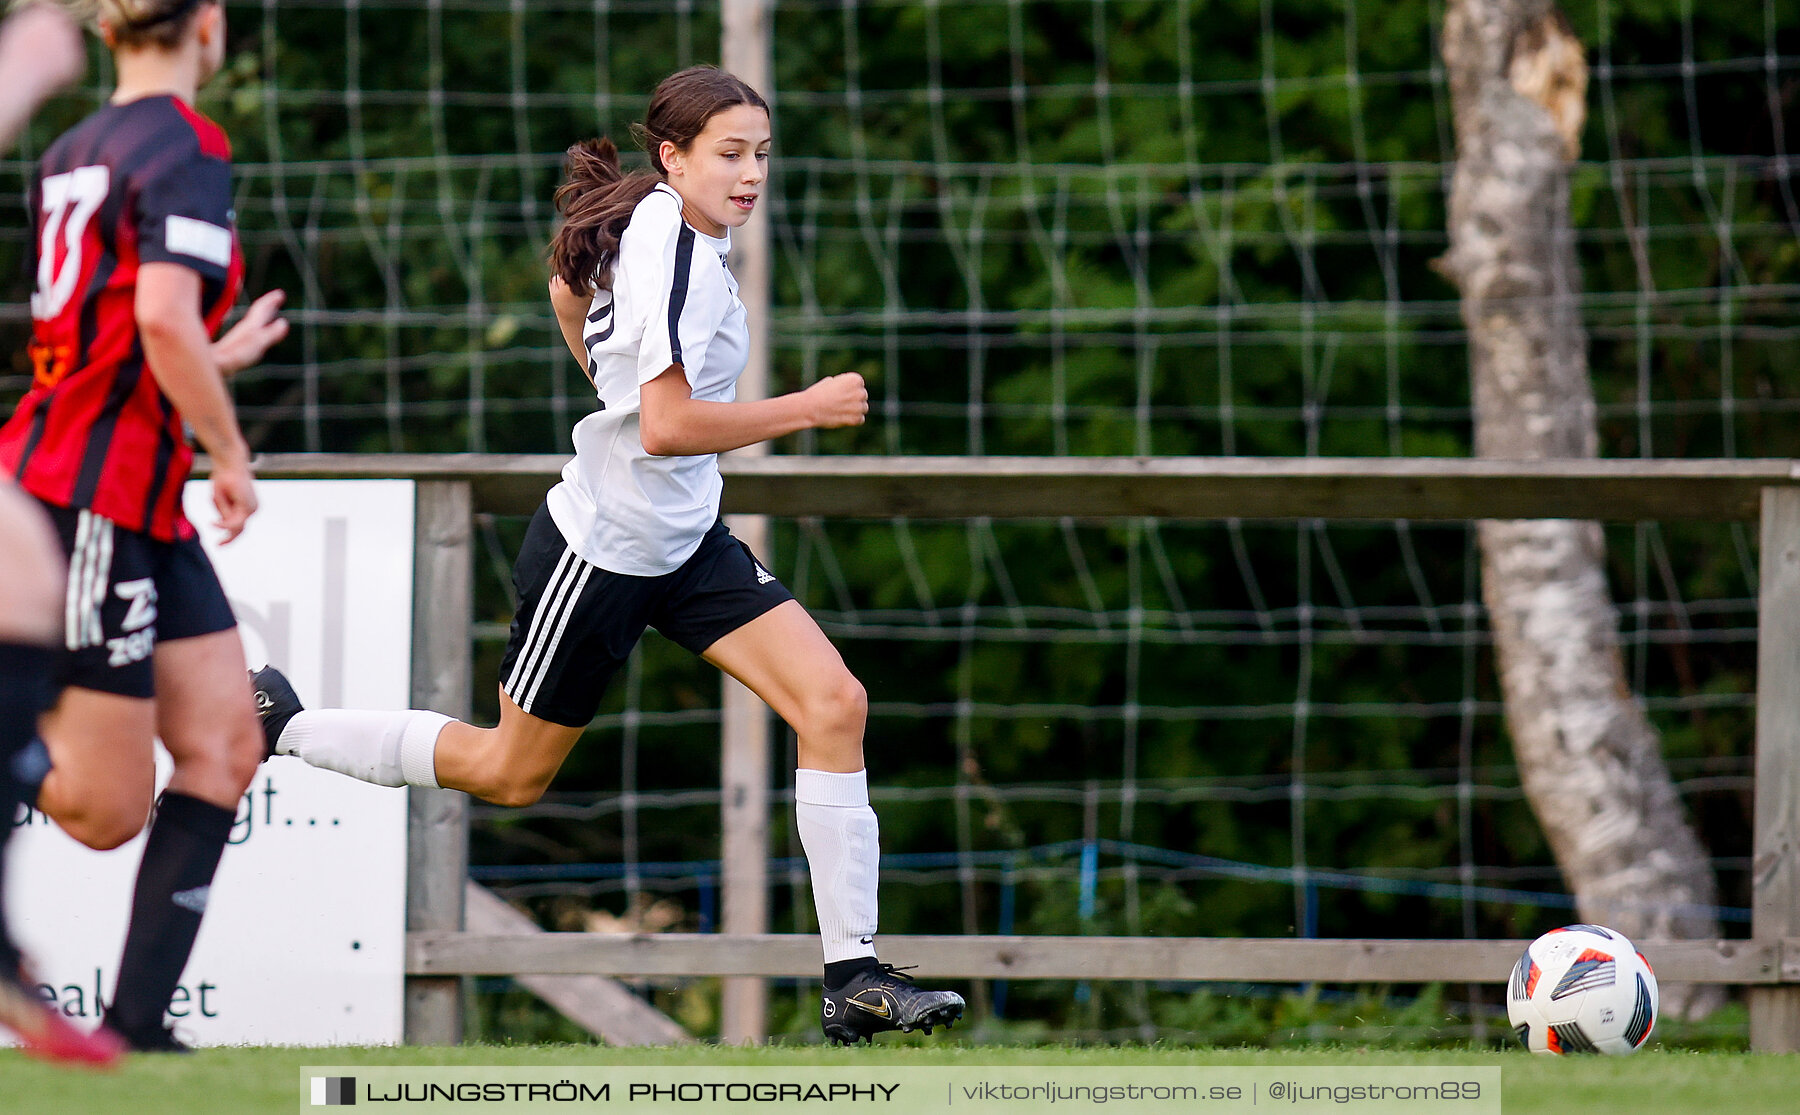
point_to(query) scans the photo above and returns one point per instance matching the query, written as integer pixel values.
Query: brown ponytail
(596, 197)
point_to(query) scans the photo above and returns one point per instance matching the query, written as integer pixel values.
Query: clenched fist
(841, 400)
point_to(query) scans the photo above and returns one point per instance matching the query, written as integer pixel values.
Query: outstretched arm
(40, 52)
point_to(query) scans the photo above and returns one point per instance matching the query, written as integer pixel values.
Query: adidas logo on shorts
(763, 576)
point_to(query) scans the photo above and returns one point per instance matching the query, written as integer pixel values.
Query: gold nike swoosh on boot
(885, 1010)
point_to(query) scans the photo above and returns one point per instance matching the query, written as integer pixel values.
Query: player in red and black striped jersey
(137, 266)
(144, 182)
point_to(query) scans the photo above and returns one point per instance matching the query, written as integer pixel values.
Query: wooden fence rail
(1275, 960)
(1160, 487)
(450, 488)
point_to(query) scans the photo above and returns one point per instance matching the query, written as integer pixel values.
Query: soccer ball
(1582, 989)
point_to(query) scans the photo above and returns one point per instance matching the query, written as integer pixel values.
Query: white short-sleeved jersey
(673, 301)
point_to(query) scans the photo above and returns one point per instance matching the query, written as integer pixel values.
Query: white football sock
(843, 853)
(386, 748)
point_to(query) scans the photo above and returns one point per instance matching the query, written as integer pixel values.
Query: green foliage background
(1063, 228)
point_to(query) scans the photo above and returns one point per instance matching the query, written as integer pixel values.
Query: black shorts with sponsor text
(577, 623)
(126, 593)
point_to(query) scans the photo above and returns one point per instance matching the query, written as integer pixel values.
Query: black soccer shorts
(577, 623)
(128, 591)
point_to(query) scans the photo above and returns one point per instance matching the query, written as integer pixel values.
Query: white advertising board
(303, 942)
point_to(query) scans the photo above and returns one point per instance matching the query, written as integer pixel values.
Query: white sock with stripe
(843, 854)
(386, 748)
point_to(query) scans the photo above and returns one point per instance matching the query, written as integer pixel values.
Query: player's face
(720, 175)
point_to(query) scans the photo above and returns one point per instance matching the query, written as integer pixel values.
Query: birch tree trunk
(1590, 761)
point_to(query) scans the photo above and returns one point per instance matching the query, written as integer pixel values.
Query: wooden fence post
(745, 50)
(437, 845)
(744, 855)
(1775, 851)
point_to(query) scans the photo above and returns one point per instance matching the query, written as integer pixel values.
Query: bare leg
(785, 659)
(206, 719)
(511, 764)
(103, 776)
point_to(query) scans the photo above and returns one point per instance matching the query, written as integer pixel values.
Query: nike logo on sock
(194, 900)
(868, 940)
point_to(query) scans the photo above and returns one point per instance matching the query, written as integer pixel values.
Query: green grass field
(254, 1081)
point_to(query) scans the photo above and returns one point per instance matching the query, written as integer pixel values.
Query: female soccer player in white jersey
(631, 537)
